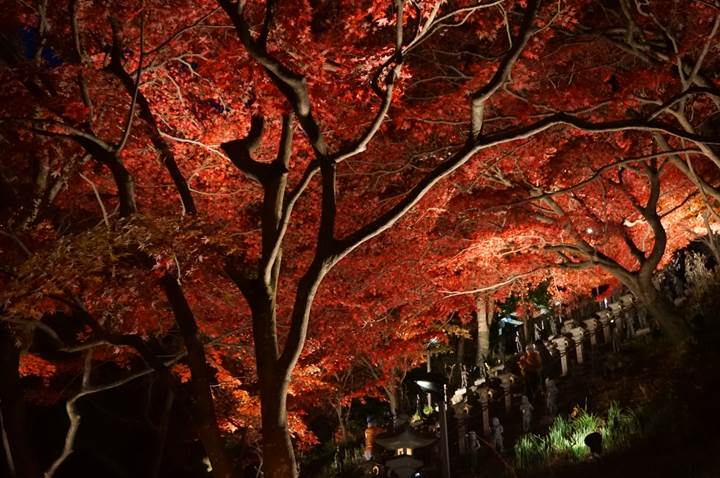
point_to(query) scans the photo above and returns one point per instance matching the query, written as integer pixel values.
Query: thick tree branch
(501, 75)
(116, 62)
(291, 84)
(132, 87)
(274, 198)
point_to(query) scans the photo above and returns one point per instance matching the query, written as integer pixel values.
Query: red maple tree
(205, 171)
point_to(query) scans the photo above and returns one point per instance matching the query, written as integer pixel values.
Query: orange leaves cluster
(32, 365)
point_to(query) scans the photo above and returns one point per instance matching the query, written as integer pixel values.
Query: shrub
(565, 440)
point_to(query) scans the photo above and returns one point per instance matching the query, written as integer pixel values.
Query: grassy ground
(676, 400)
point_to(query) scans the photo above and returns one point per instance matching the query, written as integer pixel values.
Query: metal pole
(429, 370)
(444, 437)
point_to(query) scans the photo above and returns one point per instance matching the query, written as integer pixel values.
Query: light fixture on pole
(432, 344)
(436, 384)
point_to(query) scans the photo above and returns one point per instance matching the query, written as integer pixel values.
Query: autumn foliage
(273, 206)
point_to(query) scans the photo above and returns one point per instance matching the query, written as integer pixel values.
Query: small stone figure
(526, 410)
(337, 463)
(551, 393)
(497, 433)
(464, 374)
(518, 341)
(473, 447)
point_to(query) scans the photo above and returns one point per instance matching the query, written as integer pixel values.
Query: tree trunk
(460, 359)
(162, 429)
(15, 428)
(341, 423)
(278, 460)
(202, 400)
(665, 313)
(483, 311)
(145, 112)
(278, 454)
(392, 395)
(126, 187)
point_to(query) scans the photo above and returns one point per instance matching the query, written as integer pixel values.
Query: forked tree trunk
(640, 281)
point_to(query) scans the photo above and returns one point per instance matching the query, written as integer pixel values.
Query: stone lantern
(591, 325)
(404, 464)
(578, 335)
(484, 397)
(627, 300)
(561, 344)
(567, 326)
(461, 411)
(605, 325)
(506, 380)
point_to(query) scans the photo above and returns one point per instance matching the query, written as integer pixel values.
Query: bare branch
(498, 285)
(99, 199)
(598, 174)
(175, 35)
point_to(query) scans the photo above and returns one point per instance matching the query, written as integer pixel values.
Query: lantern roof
(406, 439)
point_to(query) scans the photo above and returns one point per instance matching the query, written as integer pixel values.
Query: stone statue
(518, 341)
(497, 434)
(473, 447)
(553, 326)
(464, 374)
(551, 393)
(526, 410)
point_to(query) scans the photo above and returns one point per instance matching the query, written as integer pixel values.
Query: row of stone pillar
(483, 393)
(610, 322)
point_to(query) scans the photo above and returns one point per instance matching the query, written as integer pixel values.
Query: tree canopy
(256, 200)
